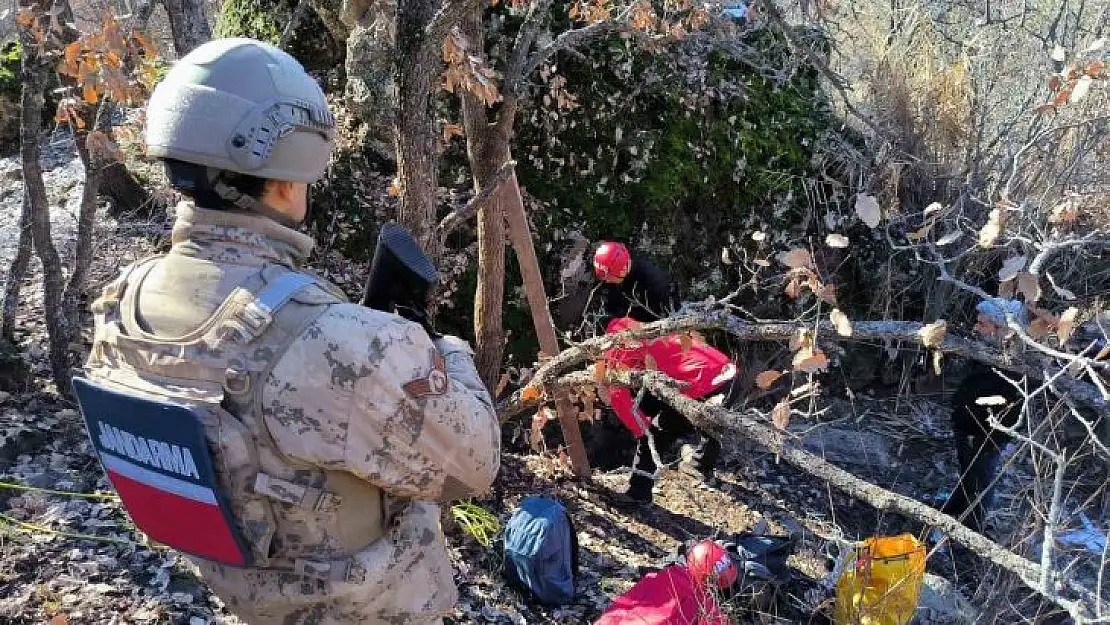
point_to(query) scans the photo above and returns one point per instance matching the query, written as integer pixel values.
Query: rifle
(401, 277)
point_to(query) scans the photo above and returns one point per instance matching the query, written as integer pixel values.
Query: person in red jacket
(706, 371)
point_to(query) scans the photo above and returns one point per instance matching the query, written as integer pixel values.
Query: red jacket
(667, 597)
(703, 367)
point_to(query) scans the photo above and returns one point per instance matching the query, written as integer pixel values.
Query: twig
(294, 20)
(570, 39)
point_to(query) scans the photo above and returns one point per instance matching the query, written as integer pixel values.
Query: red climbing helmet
(709, 562)
(612, 262)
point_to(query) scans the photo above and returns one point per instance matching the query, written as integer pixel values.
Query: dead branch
(17, 271)
(1035, 366)
(294, 21)
(569, 40)
(448, 15)
(456, 218)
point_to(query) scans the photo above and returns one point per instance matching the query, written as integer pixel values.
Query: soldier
(343, 428)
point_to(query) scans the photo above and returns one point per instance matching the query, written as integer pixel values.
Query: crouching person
(707, 372)
(295, 446)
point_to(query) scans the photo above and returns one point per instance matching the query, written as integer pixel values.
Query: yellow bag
(881, 582)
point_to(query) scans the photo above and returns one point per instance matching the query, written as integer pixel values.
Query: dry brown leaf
(780, 415)
(810, 360)
(1007, 289)
(841, 321)
(1039, 328)
(920, 233)
(1029, 286)
(394, 188)
(793, 288)
(799, 339)
(686, 341)
(451, 130)
(992, 230)
(867, 208)
(530, 393)
(599, 372)
(932, 335)
(767, 378)
(1065, 212)
(836, 240)
(101, 146)
(984, 326)
(827, 293)
(59, 619)
(1067, 324)
(797, 258)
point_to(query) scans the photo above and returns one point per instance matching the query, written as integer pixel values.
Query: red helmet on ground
(612, 261)
(709, 562)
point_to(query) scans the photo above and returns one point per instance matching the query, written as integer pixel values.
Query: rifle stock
(401, 277)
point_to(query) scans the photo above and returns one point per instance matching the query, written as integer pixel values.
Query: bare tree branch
(514, 71)
(294, 21)
(1032, 365)
(456, 218)
(450, 14)
(569, 40)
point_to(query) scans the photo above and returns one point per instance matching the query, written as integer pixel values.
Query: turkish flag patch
(435, 383)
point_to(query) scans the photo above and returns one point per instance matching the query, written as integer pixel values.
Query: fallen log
(1028, 363)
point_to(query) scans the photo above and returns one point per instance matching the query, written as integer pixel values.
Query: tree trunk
(126, 195)
(17, 272)
(82, 257)
(188, 24)
(32, 72)
(415, 135)
(521, 236)
(487, 152)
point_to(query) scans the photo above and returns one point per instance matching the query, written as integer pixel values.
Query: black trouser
(668, 425)
(979, 459)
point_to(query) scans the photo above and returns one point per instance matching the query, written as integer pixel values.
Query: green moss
(10, 56)
(694, 161)
(250, 18)
(311, 42)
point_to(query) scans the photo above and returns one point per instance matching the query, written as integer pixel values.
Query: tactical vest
(177, 425)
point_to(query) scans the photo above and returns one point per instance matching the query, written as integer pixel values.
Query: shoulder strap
(259, 313)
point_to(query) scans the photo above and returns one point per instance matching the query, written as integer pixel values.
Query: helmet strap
(245, 202)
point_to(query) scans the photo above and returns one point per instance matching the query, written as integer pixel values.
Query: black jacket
(970, 418)
(644, 294)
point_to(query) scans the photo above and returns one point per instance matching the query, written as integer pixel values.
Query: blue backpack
(541, 550)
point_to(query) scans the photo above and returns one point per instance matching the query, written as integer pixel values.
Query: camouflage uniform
(362, 423)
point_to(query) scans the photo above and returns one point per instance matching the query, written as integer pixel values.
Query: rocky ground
(70, 558)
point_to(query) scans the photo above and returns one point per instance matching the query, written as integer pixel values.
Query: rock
(850, 446)
(941, 603)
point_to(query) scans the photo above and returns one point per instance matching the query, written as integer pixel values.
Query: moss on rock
(311, 42)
